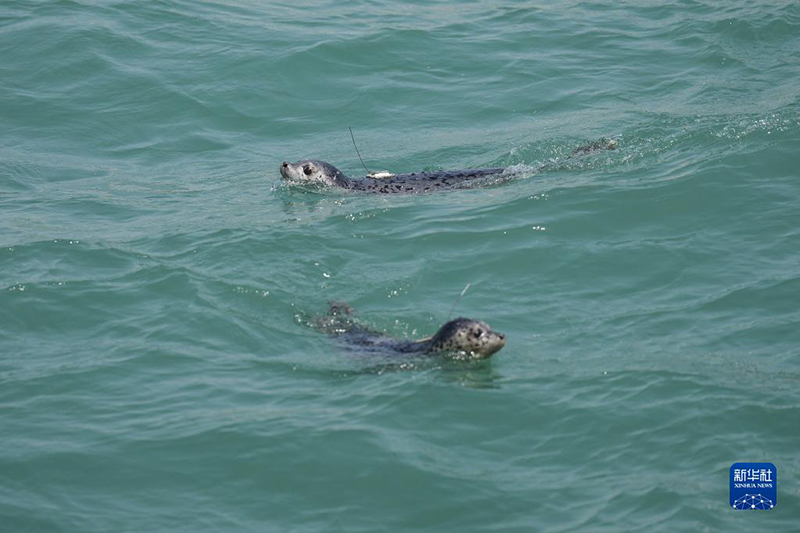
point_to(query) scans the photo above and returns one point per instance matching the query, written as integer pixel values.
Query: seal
(461, 338)
(310, 171)
(320, 173)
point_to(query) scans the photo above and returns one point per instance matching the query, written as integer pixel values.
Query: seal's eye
(477, 333)
(307, 170)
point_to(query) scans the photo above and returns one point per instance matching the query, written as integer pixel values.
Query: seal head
(467, 338)
(311, 171)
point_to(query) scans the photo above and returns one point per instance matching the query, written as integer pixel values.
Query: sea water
(156, 372)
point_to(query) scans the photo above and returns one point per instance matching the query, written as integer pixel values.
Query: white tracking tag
(380, 175)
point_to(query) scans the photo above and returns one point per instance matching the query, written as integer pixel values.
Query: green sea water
(156, 372)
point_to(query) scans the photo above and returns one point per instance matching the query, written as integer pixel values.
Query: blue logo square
(754, 486)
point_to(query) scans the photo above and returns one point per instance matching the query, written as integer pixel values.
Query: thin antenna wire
(458, 300)
(357, 152)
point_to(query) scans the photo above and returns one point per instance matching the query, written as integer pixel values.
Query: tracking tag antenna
(466, 288)
(357, 152)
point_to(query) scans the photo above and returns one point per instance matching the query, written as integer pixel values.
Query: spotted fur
(322, 173)
(459, 338)
(466, 336)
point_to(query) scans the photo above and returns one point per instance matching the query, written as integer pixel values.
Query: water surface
(155, 374)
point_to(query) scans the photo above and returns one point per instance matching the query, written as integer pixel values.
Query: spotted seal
(461, 338)
(312, 171)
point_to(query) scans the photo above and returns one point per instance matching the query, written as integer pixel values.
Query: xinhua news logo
(754, 486)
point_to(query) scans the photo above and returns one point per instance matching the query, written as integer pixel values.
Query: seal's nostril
(285, 164)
